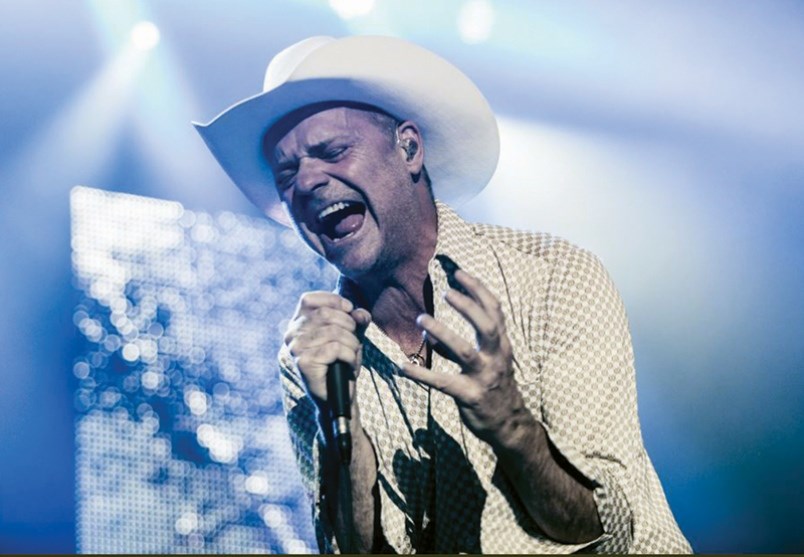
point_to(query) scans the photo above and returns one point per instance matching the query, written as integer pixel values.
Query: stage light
(350, 9)
(475, 21)
(144, 35)
(187, 523)
(197, 402)
(257, 484)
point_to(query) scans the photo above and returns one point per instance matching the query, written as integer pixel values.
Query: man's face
(347, 188)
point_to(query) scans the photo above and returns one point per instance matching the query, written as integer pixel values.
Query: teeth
(333, 208)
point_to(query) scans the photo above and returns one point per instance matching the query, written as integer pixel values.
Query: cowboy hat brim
(458, 128)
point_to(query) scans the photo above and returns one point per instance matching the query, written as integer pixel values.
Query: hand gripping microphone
(338, 376)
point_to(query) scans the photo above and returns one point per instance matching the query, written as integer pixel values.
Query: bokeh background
(667, 137)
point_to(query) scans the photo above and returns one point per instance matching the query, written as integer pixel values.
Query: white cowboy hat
(405, 80)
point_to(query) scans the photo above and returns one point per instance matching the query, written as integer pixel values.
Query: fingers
(323, 317)
(317, 299)
(447, 384)
(457, 349)
(481, 308)
(488, 328)
(491, 352)
(318, 318)
(320, 336)
(465, 390)
(323, 308)
(316, 360)
(480, 293)
(325, 328)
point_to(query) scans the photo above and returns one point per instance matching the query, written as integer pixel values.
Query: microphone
(338, 375)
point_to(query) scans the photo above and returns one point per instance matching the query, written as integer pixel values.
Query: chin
(354, 268)
(361, 259)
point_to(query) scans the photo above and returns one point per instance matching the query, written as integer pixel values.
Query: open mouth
(341, 219)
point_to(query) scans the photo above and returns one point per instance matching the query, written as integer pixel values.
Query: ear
(411, 147)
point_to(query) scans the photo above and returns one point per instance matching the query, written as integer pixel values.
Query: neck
(397, 297)
(395, 304)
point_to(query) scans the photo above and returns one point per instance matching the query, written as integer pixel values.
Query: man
(494, 406)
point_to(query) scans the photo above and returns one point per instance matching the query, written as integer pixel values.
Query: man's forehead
(332, 119)
(321, 119)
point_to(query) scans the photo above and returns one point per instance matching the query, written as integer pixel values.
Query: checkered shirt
(441, 489)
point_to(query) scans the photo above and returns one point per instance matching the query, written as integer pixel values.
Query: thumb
(362, 317)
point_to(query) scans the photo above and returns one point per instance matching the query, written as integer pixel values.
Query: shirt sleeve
(589, 403)
(305, 437)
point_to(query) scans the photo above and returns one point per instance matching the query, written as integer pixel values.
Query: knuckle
(327, 349)
(302, 362)
(336, 332)
(319, 314)
(293, 329)
(473, 395)
(306, 300)
(328, 315)
(293, 347)
(496, 374)
(349, 323)
(440, 383)
(288, 338)
(323, 331)
(347, 355)
(351, 342)
(316, 333)
(326, 353)
(469, 355)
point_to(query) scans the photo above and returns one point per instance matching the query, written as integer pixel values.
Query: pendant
(417, 359)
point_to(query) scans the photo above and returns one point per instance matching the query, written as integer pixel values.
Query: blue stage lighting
(182, 445)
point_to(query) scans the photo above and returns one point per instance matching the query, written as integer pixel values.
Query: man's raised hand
(485, 391)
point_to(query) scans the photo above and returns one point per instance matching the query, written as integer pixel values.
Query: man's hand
(485, 391)
(492, 407)
(325, 328)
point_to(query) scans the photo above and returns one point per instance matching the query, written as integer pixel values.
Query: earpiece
(410, 147)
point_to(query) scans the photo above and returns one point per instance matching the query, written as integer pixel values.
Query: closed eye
(284, 177)
(329, 152)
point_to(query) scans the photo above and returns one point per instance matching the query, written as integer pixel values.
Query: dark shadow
(441, 480)
(449, 488)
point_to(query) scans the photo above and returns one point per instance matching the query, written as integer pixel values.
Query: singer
(489, 372)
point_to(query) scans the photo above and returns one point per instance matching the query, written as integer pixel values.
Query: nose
(310, 175)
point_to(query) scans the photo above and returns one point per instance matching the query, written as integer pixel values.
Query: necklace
(416, 358)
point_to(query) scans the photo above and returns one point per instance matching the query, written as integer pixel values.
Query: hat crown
(282, 66)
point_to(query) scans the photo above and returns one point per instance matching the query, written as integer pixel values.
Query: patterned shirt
(441, 489)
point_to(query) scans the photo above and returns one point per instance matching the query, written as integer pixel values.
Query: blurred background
(667, 137)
